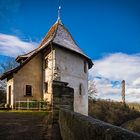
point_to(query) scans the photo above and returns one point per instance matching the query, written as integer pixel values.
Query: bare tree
(92, 90)
(9, 64)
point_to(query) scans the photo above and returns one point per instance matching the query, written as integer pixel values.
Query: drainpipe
(52, 80)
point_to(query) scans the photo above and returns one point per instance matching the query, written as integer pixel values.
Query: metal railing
(31, 105)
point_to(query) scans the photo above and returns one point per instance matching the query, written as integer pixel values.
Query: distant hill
(133, 125)
(112, 112)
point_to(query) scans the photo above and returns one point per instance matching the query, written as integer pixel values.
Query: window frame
(46, 87)
(85, 67)
(9, 93)
(28, 90)
(46, 63)
(80, 89)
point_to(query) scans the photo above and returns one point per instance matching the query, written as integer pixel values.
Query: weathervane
(59, 10)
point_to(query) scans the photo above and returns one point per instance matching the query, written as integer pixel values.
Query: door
(9, 90)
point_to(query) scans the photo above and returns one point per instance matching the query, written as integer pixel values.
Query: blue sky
(99, 27)
(104, 29)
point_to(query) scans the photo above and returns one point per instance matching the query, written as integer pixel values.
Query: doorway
(9, 94)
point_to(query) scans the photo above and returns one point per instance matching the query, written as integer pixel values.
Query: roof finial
(59, 12)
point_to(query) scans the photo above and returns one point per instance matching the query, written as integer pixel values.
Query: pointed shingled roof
(58, 34)
(50, 35)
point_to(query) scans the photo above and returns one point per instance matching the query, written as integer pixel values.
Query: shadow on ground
(22, 126)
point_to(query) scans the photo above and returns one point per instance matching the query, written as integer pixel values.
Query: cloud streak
(109, 71)
(13, 46)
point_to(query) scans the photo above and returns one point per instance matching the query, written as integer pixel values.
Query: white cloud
(136, 82)
(13, 46)
(111, 70)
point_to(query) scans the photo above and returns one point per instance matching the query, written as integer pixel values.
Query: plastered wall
(29, 74)
(10, 82)
(70, 67)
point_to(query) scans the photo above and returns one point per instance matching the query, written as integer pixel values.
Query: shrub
(112, 112)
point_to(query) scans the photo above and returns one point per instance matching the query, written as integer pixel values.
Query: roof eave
(25, 55)
(90, 63)
(4, 76)
(9, 73)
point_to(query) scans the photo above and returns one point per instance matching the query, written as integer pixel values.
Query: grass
(133, 125)
(126, 116)
(30, 112)
(135, 106)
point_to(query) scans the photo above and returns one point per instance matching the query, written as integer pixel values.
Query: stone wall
(74, 126)
(48, 73)
(62, 98)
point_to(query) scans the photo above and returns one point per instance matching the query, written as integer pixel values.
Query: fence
(31, 105)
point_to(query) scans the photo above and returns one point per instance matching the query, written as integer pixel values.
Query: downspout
(43, 77)
(52, 61)
(52, 80)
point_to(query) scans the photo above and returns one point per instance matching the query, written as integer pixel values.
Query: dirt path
(22, 126)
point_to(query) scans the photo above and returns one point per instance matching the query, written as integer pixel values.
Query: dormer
(21, 58)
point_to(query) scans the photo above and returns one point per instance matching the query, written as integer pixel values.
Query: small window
(46, 63)
(9, 90)
(46, 87)
(28, 90)
(85, 67)
(80, 89)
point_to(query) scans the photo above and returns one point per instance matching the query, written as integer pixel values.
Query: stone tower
(123, 91)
